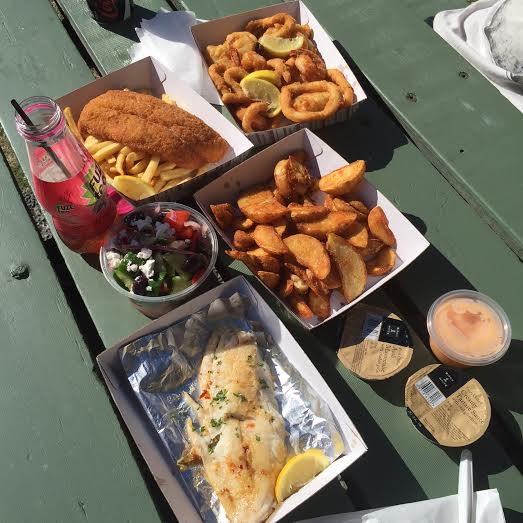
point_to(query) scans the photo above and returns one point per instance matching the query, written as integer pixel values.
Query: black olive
(140, 285)
(192, 264)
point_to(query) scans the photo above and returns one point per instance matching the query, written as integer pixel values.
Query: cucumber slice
(123, 278)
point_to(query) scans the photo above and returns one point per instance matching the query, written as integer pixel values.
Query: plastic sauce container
(468, 329)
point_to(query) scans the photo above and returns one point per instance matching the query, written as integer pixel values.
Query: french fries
(120, 160)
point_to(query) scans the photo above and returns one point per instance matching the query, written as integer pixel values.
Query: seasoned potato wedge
(281, 226)
(299, 305)
(373, 247)
(223, 214)
(360, 208)
(333, 281)
(307, 213)
(310, 253)
(337, 222)
(350, 265)
(271, 279)
(242, 223)
(266, 262)
(379, 226)
(242, 240)
(319, 304)
(358, 235)
(267, 238)
(254, 196)
(382, 263)
(343, 180)
(249, 260)
(308, 277)
(265, 212)
(286, 286)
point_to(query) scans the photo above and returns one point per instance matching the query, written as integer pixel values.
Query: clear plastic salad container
(142, 240)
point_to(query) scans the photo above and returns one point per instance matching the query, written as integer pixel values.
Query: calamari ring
(235, 98)
(305, 30)
(216, 72)
(336, 76)
(252, 61)
(251, 117)
(311, 102)
(232, 76)
(286, 25)
(310, 65)
(289, 92)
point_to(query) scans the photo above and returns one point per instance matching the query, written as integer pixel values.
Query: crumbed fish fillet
(147, 124)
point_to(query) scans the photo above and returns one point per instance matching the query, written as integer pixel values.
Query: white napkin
(488, 509)
(167, 37)
(489, 35)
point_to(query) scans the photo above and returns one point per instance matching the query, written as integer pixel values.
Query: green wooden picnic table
(66, 456)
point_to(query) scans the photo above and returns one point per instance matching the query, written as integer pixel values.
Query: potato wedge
(267, 238)
(358, 235)
(343, 180)
(333, 281)
(266, 212)
(271, 279)
(350, 265)
(310, 253)
(360, 208)
(249, 260)
(254, 196)
(382, 263)
(265, 261)
(328, 203)
(337, 222)
(279, 197)
(299, 285)
(242, 223)
(307, 213)
(281, 226)
(373, 247)
(299, 305)
(379, 226)
(320, 304)
(223, 214)
(308, 277)
(286, 287)
(242, 240)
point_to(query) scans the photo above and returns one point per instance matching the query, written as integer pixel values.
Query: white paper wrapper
(163, 367)
(487, 504)
(168, 39)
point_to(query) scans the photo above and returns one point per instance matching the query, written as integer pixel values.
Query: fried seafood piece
(347, 92)
(148, 125)
(314, 102)
(220, 54)
(292, 178)
(279, 66)
(310, 65)
(252, 61)
(290, 92)
(280, 24)
(256, 122)
(232, 78)
(243, 41)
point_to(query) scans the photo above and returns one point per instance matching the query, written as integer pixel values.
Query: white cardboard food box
(322, 159)
(215, 32)
(150, 444)
(150, 74)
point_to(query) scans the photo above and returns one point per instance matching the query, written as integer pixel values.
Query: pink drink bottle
(76, 199)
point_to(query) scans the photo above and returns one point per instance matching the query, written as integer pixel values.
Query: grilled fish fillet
(241, 435)
(148, 125)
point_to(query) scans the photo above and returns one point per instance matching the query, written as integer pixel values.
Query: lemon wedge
(298, 471)
(257, 89)
(132, 187)
(281, 47)
(265, 74)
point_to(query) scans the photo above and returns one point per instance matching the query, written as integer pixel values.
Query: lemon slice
(263, 90)
(281, 47)
(132, 187)
(265, 74)
(298, 471)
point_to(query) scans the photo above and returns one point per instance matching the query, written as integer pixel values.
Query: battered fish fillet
(241, 435)
(148, 125)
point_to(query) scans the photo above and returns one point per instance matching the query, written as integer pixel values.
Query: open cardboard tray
(162, 468)
(150, 74)
(322, 159)
(215, 32)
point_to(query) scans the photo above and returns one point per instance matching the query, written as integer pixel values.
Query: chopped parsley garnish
(272, 419)
(263, 384)
(240, 395)
(237, 432)
(249, 358)
(221, 395)
(198, 429)
(257, 437)
(216, 422)
(210, 372)
(219, 362)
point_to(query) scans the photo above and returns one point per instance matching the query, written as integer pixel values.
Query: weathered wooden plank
(463, 125)
(108, 45)
(63, 453)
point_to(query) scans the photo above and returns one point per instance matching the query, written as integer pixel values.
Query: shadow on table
(513, 516)
(127, 28)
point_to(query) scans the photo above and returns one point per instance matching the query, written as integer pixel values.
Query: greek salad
(159, 253)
